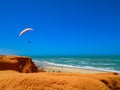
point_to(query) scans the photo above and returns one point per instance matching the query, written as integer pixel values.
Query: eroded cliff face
(18, 63)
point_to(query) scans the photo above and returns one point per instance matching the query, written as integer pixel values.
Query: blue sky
(61, 27)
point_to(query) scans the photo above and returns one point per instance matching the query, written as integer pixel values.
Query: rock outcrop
(18, 63)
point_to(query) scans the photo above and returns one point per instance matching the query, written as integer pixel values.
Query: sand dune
(11, 80)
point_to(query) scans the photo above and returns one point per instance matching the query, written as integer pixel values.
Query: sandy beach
(72, 70)
(22, 74)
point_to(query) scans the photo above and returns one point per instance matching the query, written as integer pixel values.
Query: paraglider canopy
(24, 31)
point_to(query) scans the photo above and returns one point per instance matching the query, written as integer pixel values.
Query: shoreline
(73, 70)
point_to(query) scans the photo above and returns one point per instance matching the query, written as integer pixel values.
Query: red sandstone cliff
(18, 63)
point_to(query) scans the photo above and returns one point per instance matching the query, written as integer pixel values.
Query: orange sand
(12, 80)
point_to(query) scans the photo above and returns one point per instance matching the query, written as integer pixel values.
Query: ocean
(104, 63)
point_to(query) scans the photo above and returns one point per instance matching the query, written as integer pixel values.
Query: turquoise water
(106, 63)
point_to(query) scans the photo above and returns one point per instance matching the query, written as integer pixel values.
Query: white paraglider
(24, 31)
